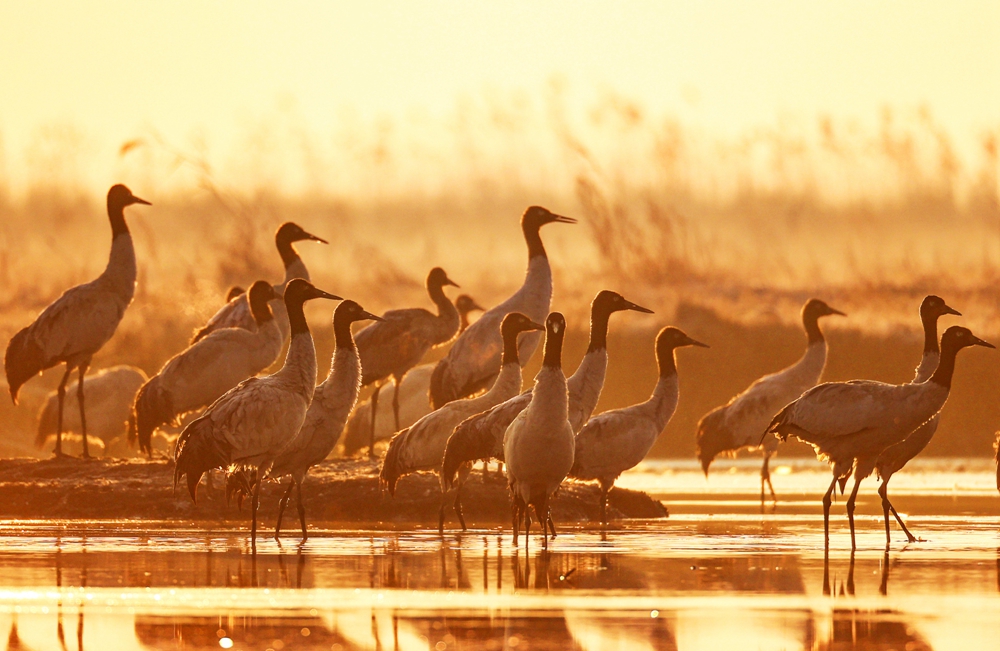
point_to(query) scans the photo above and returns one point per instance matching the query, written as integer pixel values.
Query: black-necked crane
(896, 456)
(110, 394)
(538, 446)
(480, 437)
(234, 292)
(850, 424)
(73, 328)
(332, 402)
(236, 312)
(738, 423)
(421, 446)
(413, 397)
(473, 362)
(245, 430)
(617, 440)
(208, 368)
(399, 340)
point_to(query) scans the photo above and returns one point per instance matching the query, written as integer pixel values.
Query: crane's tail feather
(392, 463)
(23, 360)
(439, 394)
(152, 408)
(197, 453)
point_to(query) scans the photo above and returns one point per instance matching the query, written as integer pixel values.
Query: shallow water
(717, 574)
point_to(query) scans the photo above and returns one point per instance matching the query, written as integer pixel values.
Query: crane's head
(291, 232)
(608, 301)
(465, 304)
(815, 308)
(934, 307)
(535, 217)
(437, 278)
(120, 196)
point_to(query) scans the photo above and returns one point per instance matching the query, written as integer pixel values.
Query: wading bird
(850, 424)
(73, 328)
(399, 340)
(110, 394)
(617, 440)
(896, 456)
(199, 375)
(237, 314)
(421, 446)
(480, 437)
(738, 423)
(473, 361)
(538, 446)
(413, 398)
(246, 429)
(332, 402)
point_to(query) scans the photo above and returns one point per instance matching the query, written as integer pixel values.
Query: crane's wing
(80, 321)
(234, 314)
(837, 409)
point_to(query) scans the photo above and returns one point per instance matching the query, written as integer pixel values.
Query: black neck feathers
(598, 330)
(342, 328)
(555, 330)
(259, 307)
(665, 361)
(296, 316)
(533, 238)
(930, 333)
(810, 322)
(288, 254)
(116, 213)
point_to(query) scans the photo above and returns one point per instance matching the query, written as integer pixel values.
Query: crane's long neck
(447, 312)
(121, 271)
(342, 332)
(294, 266)
(663, 401)
(946, 368)
(300, 362)
(932, 350)
(810, 323)
(533, 238)
(260, 310)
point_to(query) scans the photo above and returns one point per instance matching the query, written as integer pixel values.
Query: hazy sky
(186, 66)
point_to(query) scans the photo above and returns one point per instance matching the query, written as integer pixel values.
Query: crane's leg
(62, 399)
(395, 399)
(827, 499)
(302, 509)
(282, 503)
(850, 509)
(371, 442)
(458, 507)
(885, 510)
(444, 502)
(552, 525)
(765, 478)
(887, 505)
(850, 573)
(516, 516)
(542, 513)
(605, 489)
(83, 416)
(253, 515)
(526, 514)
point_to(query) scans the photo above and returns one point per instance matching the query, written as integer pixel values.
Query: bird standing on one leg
(617, 440)
(78, 324)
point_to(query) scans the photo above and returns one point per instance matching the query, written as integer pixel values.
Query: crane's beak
(449, 281)
(136, 199)
(638, 308)
(695, 342)
(535, 326)
(319, 293)
(980, 342)
(836, 311)
(950, 310)
(369, 315)
(561, 219)
(315, 238)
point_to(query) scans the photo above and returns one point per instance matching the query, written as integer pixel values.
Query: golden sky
(113, 69)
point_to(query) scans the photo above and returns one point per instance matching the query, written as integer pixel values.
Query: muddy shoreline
(336, 491)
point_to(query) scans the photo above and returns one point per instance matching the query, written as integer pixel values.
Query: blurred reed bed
(724, 235)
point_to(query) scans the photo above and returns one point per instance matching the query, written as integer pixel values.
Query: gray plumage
(78, 324)
(617, 440)
(473, 362)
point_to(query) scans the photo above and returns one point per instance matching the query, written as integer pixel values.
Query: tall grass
(869, 214)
